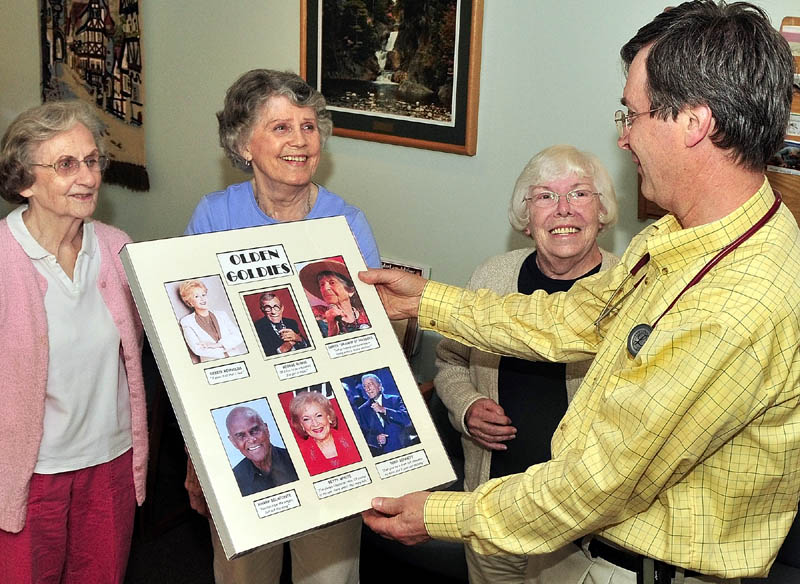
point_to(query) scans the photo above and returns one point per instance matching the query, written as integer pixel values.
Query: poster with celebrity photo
(206, 319)
(265, 481)
(277, 322)
(380, 411)
(333, 297)
(319, 428)
(254, 446)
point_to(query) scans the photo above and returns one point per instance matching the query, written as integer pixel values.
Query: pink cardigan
(24, 360)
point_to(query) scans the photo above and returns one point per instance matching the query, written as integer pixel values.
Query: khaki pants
(553, 568)
(569, 565)
(327, 556)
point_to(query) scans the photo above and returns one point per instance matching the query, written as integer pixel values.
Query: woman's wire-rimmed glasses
(578, 198)
(625, 121)
(69, 165)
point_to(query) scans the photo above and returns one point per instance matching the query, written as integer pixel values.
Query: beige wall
(550, 74)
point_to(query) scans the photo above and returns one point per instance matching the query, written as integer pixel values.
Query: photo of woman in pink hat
(328, 284)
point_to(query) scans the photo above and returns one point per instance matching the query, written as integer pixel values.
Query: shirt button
(647, 281)
(102, 284)
(563, 427)
(432, 323)
(664, 271)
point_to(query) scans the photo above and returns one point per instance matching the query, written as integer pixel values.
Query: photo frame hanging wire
(456, 133)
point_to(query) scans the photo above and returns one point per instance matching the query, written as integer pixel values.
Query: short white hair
(552, 163)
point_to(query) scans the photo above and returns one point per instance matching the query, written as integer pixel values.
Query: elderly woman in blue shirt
(274, 126)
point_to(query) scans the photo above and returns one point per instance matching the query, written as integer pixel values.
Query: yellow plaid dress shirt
(688, 453)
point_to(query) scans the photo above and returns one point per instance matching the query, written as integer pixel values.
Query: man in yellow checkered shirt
(680, 454)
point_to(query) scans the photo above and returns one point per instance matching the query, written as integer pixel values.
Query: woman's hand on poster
(197, 499)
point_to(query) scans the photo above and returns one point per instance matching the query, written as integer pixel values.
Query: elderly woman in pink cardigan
(73, 440)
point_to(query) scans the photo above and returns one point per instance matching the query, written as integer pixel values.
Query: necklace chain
(307, 207)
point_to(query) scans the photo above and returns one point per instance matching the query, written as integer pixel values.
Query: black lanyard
(641, 332)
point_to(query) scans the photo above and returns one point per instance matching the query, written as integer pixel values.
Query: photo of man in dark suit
(383, 418)
(277, 334)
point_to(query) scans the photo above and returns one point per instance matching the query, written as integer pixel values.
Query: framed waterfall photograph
(403, 72)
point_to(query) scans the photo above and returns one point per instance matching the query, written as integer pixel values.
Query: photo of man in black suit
(277, 334)
(383, 417)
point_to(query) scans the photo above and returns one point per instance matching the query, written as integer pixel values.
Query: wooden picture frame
(782, 179)
(368, 110)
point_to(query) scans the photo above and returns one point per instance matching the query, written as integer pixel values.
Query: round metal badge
(638, 337)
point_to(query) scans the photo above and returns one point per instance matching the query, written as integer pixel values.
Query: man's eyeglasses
(69, 165)
(625, 121)
(544, 199)
(273, 308)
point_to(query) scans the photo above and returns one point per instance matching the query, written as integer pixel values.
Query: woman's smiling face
(199, 299)
(285, 144)
(564, 231)
(315, 422)
(53, 197)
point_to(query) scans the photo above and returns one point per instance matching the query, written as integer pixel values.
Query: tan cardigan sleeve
(466, 375)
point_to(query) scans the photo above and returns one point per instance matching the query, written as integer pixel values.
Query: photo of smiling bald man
(259, 463)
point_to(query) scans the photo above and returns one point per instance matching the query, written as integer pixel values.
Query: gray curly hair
(245, 98)
(32, 128)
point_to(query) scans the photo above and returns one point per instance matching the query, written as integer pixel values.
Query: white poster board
(282, 327)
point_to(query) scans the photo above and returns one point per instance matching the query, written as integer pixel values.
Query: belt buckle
(662, 572)
(654, 572)
(646, 573)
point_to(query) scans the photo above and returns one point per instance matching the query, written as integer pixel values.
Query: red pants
(78, 527)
